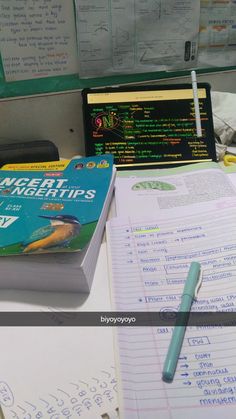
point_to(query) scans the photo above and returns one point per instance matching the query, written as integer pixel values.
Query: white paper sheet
(217, 38)
(149, 264)
(182, 190)
(58, 372)
(37, 38)
(136, 36)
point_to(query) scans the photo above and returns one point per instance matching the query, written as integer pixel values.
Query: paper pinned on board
(126, 37)
(37, 39)
(217, 36)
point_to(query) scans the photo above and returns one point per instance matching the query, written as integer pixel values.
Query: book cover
(55, 209)
(36, 167)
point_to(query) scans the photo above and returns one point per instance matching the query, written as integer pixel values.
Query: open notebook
(155, 255)
(149, 260)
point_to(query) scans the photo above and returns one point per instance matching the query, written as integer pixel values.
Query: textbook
(51, 223)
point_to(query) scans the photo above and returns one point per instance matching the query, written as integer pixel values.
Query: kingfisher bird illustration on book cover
(55, 209)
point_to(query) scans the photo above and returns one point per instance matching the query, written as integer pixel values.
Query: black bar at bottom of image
(114, 318)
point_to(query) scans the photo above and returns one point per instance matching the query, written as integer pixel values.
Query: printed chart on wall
(131, 36)
(37, 39)
(217, 38)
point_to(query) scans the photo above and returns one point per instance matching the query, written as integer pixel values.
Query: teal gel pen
(192, 285)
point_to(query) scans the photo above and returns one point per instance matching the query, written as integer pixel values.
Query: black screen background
(154, 132)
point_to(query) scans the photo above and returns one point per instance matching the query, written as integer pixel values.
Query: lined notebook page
(149, 261)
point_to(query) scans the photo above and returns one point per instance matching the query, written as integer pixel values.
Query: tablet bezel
(90, 150)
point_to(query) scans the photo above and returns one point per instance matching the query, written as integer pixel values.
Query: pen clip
(199, 283)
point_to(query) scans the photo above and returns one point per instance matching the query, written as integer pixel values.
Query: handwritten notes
(85, 398)
(149, 263)
(37, 38)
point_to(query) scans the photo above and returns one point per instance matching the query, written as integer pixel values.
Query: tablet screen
(148, 126)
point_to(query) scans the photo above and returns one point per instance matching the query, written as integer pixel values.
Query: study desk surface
(77, 363)
(63, 367)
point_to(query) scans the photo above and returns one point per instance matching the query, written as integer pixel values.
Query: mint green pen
(192, 285)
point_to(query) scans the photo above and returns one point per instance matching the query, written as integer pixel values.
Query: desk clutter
(28, 152)
(165, 220)
(223, 104)
(52, 219)
(53, 212)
